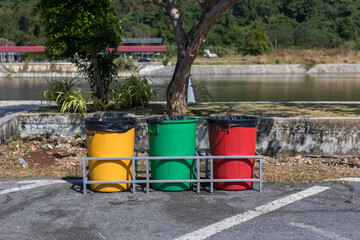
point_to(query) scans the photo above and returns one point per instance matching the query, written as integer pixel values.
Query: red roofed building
(15, 53)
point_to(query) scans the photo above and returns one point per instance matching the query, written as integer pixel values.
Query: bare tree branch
(160, 3)
(189, 46)
(210, 11)
(174, 13)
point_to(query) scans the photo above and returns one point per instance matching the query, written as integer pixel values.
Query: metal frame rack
(208, 172)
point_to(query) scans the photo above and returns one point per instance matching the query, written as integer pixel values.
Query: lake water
(246, 87)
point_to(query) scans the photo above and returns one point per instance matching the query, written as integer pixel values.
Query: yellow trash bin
(110, 137)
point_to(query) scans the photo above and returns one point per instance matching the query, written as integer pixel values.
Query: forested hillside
(287, 23)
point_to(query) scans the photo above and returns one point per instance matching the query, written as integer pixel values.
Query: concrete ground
(57, 209)
(10, 108)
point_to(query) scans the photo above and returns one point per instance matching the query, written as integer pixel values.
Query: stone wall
(44, 70)
(65, 69)
(255, 69)
(311, 136)
(9, 127)
(15, 67)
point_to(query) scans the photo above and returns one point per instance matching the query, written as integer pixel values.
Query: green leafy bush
(256, 41)
(125, 63)
(65, 95)
(133, 92)
(72, 101)
(56, 87)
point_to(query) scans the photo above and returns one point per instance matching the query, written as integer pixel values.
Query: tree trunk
(176, 95)
(188, 47)
(99, 85)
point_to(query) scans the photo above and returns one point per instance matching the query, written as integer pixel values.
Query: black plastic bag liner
(233, 121)
(110, 124)
(156, 120)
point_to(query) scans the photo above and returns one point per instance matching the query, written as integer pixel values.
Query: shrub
(55, 87)
(133, 92)
(125, 63)
(256, 41)
(65, 95)
(72, 101)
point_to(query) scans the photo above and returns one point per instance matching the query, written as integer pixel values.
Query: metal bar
(134, 176)
(198, 179)
(174, 181)
(84, 176)
(172, 157)
(207, 168)
(212, 175)
(198, 175)
(260, 172)
(147, 176)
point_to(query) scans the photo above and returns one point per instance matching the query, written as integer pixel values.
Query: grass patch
(303, 173)
(259, 110)
(276, 110)
(308, 57)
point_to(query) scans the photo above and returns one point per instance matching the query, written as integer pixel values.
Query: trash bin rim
(110, 124)
(106, 119)
(188, 120)
(235, 120)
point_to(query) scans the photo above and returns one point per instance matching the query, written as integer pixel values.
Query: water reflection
(28, 88)
(278, 87)
(246, 87)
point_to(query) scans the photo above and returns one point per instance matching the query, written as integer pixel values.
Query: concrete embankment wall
(9, 127)
(309, 136)
(255, 69)
(157, 70)
(44, 70)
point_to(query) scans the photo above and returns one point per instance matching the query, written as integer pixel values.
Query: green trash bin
(172, 136)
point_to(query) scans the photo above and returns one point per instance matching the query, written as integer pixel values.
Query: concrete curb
(307, 136)
(9, 112)
(256, 69)
(67, 70)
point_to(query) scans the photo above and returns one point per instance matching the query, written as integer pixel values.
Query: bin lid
(110, 124)
(156, 120)
(238, 121)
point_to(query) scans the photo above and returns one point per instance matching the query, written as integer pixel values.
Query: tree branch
(210, 11)
(174, 13)
(160, 3)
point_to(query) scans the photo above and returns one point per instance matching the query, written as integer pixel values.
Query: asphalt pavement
(57, 209)
(13, 107)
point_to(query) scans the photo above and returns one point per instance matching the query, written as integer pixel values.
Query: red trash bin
(233, 135)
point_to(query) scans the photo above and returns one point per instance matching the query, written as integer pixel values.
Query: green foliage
(256, 42)
(132, 92)
(5, 42)
(325, 22)
(78, 135)
(125, 63)
(72, 101)
(56, 87)
(165, 61)
(17, 136)
(308, 66)
(47, 135)
(87, 33)
(65, 95)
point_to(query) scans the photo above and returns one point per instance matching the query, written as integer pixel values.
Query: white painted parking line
(330, 235)
(215, 228)
(349, 179)
(30, 184)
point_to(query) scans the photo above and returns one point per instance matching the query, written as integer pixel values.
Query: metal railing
(209, 176)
